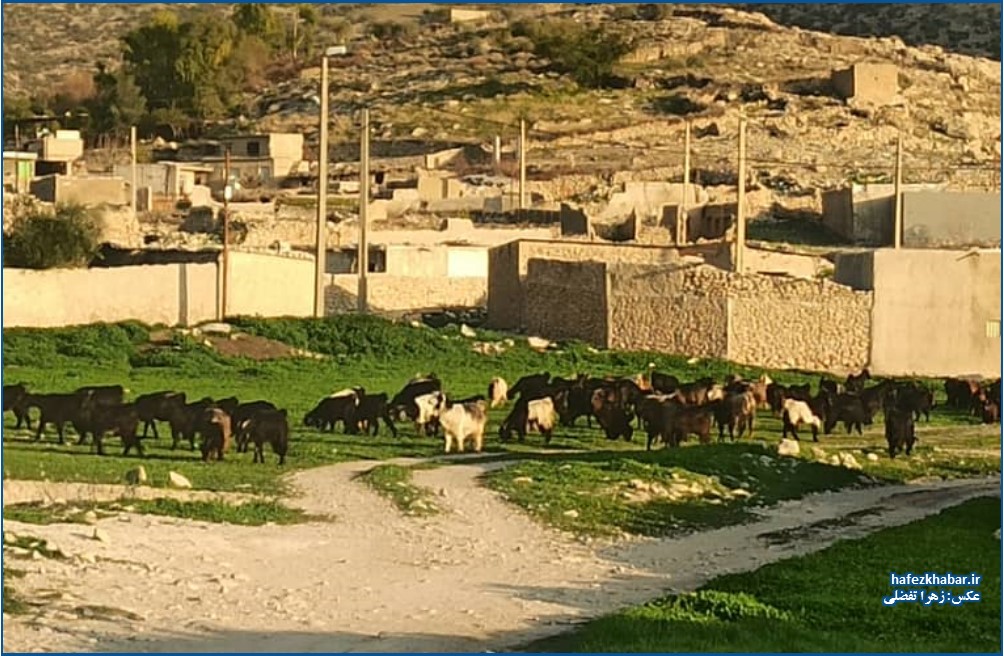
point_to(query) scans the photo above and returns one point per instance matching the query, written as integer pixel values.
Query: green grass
(251, 513)
(367, 351)
(661, 492)
(830, 601)
(596, 493)
(30, 543)
(394, 483)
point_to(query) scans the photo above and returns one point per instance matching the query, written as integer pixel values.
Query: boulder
(174, 479)
(787, 448)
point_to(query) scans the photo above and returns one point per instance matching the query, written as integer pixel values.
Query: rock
(872, 457)
(174, 479)
(419, 132)
(136, 475)
(90, 517)
(997, 534)
(522, 479)
(467, 331)
(571, 513)
(100, 536)
(787, 448)
(818, 453)
(217, 328)
(835, 461)
(538, 342)
(849, 461)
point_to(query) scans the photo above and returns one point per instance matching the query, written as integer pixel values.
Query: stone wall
(656, 309)
(567, 300)
(789, 323)
(508, 265)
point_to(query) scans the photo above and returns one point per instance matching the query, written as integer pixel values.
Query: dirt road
(480, 576)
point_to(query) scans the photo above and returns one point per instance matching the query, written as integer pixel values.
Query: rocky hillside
(439, 85)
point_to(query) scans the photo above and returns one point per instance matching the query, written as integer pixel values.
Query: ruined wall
(389, 294)
(567, 300)
(658, 309)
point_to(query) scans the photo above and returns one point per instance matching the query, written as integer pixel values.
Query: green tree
(45, 239)
(151, 55)
(256, 19)
(203, 65)
(302, 32)
(118, 102)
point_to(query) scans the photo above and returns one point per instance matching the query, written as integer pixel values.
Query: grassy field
(382, 356)
(830, 601)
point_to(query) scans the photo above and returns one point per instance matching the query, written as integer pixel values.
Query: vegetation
(382, 356)
(588, 54)
(394, 483)
(830, 601)
(40, 239)
(251, 513)
(177, 71)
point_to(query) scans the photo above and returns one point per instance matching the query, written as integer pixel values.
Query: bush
(588, 54)
(40, 239)
(101, 343)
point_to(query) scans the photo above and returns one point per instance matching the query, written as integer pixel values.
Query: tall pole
(741, 210)
(364, 201)
(897, 230)
(226, 234)
(132, 139)
(497, 152)
(682, 217)
(522, 164)
(320, 254)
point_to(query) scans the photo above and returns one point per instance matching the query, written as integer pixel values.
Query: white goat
(794, 414)
(429, 407)
(464, 421)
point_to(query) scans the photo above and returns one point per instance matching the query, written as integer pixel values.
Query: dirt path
(480, 576)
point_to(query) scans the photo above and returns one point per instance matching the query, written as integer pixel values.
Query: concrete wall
(88, 191)
(875, 83)
(267, 285)
(567, 300)
(171, 294)
(932, 310)
(660, 309)
(508, 264)
(865, 214)
(951, 219)
(390, 294)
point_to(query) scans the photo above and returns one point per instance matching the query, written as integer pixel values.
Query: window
(254, 149)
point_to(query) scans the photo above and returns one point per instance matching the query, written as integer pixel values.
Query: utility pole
(132, 139)
(682, 219)
(741, 210)
(227, 191)
(897, 231)
(364, 201)
(522, 164)
(497, 153)
(320, 255)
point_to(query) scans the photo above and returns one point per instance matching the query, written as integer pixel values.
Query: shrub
(41, 239)
(588, 54)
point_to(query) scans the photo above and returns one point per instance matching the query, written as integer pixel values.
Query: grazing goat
(240, 417)
(537, 415)
(158, 406)
(215, 433)
(497, 392)
(270, 426)
(425, 413)
(737, 409)
(899, 423)
(14, 399)
(339, 407)
(532, 384)
(795, 413)
(612, 417)
(856, 382)
(462, 422)
(122, 419)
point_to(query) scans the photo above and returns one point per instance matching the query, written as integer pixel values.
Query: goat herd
(668, 410)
